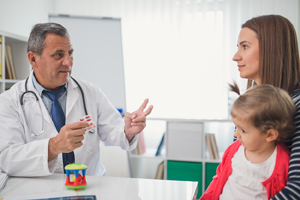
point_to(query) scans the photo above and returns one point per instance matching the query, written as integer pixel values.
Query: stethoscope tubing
(37, 100)
(22, 105)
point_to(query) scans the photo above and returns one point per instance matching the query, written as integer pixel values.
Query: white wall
(19, 16)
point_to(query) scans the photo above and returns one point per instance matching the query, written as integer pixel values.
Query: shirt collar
(40, 88)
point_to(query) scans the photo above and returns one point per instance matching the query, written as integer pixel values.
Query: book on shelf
(0, 57)
(209, 146)
(9, 64)
(160, 171)
(160, 146)
(212, 146)
(142, 142)
(8, 74)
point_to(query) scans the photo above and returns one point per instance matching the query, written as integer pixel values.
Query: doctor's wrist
(52, 150)
(129, 137)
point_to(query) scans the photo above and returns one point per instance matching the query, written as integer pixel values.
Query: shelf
(20, 62)
(207, 159)
(150, 153)
(186, 159)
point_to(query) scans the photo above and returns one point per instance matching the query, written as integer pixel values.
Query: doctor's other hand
(135, 122)
(69, 138)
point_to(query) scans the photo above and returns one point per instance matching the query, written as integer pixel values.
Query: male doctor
(26, 150)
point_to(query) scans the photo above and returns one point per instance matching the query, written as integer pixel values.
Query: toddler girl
(256, 165)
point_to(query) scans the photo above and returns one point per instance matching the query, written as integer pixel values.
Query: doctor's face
(53, 68)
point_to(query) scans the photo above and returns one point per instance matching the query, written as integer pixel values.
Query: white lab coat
(24, 155)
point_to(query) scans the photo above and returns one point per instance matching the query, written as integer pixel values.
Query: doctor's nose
(68, 61)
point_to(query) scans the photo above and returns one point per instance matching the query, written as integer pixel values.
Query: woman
(268, 54)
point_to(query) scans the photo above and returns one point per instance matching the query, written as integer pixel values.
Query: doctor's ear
(32, 57)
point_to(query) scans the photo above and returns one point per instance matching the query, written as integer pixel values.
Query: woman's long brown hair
(279, 63)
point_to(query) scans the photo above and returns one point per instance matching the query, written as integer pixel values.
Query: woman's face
(247, 55)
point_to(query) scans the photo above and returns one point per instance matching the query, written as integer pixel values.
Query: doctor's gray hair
(38, 34)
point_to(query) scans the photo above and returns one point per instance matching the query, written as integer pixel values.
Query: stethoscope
(37, 100)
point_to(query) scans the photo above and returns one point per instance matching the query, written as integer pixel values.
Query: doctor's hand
(135, 122)
(69, 138)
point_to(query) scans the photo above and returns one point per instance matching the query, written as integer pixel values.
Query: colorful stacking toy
(78, 181)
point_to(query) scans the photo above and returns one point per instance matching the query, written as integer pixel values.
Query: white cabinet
(21, 64)
(184, 152)
(184, 140)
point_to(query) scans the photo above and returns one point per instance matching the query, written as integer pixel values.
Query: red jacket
(274, 184)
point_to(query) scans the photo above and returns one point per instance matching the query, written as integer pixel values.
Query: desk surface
(105, 188)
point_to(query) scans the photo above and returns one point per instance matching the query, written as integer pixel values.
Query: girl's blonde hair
(266, 107)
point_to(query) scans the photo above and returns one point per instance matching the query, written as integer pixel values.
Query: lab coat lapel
(36, 108)
(72, 96)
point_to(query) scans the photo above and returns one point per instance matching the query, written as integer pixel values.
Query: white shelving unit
(184, 142)
(20, 60)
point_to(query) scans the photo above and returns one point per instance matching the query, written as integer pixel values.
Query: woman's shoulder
(296, 93)
(296, 97)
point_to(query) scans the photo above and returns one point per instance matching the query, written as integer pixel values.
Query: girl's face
(251, 138)
(247, 55)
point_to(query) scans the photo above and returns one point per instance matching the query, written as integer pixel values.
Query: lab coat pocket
(91, 143)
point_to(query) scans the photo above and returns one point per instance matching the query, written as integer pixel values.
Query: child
(256, 165)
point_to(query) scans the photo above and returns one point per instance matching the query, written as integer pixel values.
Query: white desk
(105, 188)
